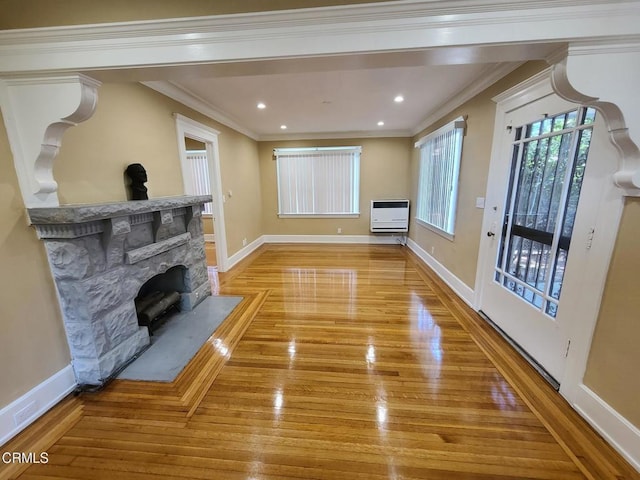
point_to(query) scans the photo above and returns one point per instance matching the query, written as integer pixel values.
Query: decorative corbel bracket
(161, 219)
(113, 237)
(37, 111)
(193, 212)
(605, 76)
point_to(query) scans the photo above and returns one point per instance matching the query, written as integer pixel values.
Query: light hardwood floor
(342, 362)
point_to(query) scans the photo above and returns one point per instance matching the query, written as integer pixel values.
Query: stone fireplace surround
(101, 254)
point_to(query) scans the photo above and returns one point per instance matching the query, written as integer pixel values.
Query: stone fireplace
(100, 256)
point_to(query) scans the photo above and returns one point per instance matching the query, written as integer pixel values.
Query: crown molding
(458, 11)
(515, 94)
(337, 135)
(485, 79)
(198, 104)
(398, 25)
(622, 44)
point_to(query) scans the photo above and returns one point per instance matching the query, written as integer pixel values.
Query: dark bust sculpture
(138, 176)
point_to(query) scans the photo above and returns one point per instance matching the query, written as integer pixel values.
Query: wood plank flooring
(342, 362)
(210, 252)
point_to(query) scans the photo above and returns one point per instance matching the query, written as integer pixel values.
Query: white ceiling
(321, 103)
(339, 96)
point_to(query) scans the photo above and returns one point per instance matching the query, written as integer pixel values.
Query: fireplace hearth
(103, 256)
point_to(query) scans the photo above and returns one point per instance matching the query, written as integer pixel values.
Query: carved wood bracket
(37, 111)
(605, 77)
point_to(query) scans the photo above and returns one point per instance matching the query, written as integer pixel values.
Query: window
(548, 164)
(440, 154)
(198, 169)
(318, 181)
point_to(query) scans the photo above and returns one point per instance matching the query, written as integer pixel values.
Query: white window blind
(440, 154)
(318, 181)
(199, 173)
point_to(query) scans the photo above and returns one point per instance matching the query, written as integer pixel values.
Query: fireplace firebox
(160, 296)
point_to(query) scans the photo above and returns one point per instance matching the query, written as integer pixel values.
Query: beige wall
(133, 123)
(241, 185)
(612, 369)
(32, 341)
(384, 173)
(44, 13)
(460, 256)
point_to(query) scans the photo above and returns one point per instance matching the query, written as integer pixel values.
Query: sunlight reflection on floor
(214, 280)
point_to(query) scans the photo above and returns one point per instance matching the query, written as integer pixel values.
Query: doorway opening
(200, 179)
(200, 161)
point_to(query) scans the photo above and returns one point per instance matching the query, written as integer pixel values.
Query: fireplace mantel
(80, 213)
(101, 254)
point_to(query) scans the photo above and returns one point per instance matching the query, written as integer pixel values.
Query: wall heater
(389, 216)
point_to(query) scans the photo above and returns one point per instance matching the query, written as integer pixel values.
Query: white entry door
(536, 189)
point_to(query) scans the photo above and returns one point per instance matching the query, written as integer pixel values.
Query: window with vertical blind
(319, 181)
(440, 154)
(199, 173)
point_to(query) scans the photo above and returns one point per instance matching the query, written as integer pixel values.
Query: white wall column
(37, 111)
(603, 75)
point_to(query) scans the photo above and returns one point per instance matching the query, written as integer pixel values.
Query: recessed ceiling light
(261, 106)
(399, 99)
(380, 123)
(283, 127)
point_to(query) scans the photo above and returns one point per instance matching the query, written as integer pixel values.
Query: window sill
(435, 230)
(308, 215)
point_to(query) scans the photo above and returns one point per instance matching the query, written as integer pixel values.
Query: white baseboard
(617, 430)
(368, 239)
(244, 252)
(462, 289)
(22, 412)
(210, 237)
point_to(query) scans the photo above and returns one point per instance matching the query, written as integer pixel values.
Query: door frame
(585, 312)
(187, 127)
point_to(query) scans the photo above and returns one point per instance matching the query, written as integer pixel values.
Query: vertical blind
(199, 170)
(440, 154)
(318, 181)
